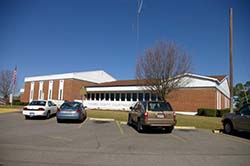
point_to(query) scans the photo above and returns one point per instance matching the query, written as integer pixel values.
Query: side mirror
(85, 107)
(131, 108)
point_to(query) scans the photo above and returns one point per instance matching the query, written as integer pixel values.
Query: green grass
(199, 121)
(8, 109)
(182, 120)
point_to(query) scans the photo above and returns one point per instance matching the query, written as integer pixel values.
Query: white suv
(39, 108)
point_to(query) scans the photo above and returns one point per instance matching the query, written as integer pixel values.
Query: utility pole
(231, 59)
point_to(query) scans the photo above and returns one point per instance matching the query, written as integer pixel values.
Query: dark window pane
(112, 96)
(128, 96)
(146, 96)
(92, 96)
(123, 96)
(102, 96)
(117, 97)
(97, 96)
(134, 96)
(140, 97)
(107, 96)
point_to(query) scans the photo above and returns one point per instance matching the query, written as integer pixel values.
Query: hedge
(212, 112)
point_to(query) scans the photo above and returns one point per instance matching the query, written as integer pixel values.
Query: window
(92, 96)
(140, 96)
(117, 96)
(153, 97)
(97, 96)
(128, 96)
(102, 96)
(107, 96)
(112, 96)
(31, 91)
(88, 96)
(123, 96)
(134, 96)
(245, 110)
(50, 94)
(61, 85)
(60, 94)
(50, 90)
(146, 96)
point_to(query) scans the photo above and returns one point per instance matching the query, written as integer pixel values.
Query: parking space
(97, 142)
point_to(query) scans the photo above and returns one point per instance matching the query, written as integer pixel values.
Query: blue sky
(60, 36)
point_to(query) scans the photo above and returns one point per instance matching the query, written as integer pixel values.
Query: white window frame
(60, 91)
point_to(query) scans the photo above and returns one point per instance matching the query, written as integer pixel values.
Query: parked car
(40, 108)
(71, 110)
(152, 114)
(237, 121)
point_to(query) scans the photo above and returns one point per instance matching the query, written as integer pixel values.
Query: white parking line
(101, 119)
(83, 123)
(120, 128)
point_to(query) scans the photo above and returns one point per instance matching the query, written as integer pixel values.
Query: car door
(52, 107)
(242, 119)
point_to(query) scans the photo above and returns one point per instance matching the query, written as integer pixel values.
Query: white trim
(40, 91)
(32, 84)
(186, 113)
(50, 90)
(98, 76)
(60, 91)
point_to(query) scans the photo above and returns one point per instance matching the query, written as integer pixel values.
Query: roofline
(73, 75)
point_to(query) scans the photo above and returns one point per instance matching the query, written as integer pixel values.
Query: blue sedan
(71, 110)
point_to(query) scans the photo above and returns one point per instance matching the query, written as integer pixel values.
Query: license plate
(32, 113)
(160, 116)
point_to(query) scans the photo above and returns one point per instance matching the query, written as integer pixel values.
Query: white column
(143, 98)
(125, 96)
(137, 96)
(99, 96)
(149, 96)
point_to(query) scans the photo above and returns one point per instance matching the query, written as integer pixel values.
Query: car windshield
(159, 106)
(40, 103)
(69, 105)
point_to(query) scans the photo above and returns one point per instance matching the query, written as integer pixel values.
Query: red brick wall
(45, 89)
(190, 99)
(71, 90)
(25, 96)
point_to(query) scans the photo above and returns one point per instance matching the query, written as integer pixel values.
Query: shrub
(220, 113)
(207, 112)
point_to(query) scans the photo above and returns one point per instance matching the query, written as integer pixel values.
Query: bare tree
(162, 68)
(5, 83)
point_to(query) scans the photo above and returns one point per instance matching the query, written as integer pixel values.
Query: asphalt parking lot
(108, 143)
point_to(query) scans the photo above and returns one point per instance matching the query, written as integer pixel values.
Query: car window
(245, 110)
(159, 106)
(69, 105)
(49, 103)
(40, 103)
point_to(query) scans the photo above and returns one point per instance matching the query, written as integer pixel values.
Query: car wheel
(129, 120)
(140, 127)
(48, 115)
(228, 128)
(169, 129)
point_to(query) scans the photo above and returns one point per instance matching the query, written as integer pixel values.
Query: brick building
(103, 91)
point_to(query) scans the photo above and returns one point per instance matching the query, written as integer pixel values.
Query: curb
(101, 119)
(216, 131)
(185, 127)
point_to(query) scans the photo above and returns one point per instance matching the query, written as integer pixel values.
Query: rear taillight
(58, 110)
(145, 115)
(174, 116)
(40, 109)
(78, 111)
(25, 108)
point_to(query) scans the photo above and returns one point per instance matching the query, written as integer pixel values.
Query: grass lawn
(182, 120)
(5, 109)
